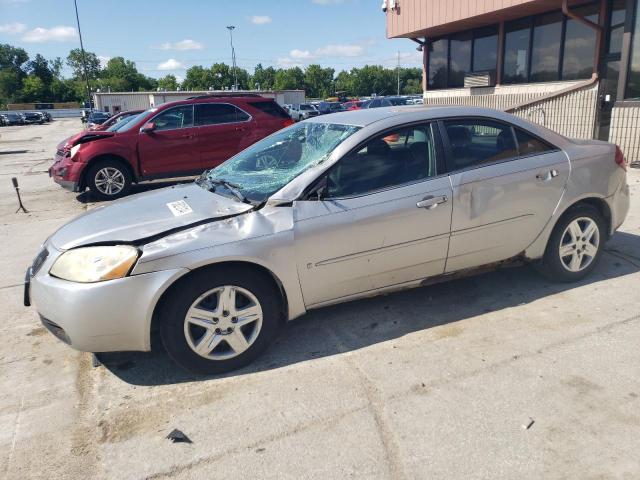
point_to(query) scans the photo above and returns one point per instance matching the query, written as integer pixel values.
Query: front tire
(108, 180)
(218, 320)
(575, 245)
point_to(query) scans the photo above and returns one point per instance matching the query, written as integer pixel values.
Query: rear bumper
(619, 204)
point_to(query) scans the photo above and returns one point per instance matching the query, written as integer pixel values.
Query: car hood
(82, 137)
(144, 217)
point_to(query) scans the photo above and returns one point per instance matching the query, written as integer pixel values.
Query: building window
(460, 59)
(633, 87)
(618, 14)
(485, 49)
(438, 56)
(545, 48)
(516, 51)
(579, 45)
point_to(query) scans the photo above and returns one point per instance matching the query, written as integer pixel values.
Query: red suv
(177, 139)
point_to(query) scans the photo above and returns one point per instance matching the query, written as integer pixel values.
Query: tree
(12, 57)
(33, 89)
(289, 79)
(318, 81)
(198, 78)
(168, 82)
(74, 60)
(263, 78)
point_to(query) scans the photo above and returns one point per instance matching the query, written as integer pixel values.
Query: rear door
(170, 149)
(222, 129)
(506, 186)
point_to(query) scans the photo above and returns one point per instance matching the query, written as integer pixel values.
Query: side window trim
(439, 152)
(552, 147)
(193, 120)
(221, 123)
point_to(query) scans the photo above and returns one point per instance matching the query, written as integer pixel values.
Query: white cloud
(103, 60)
(300, 54)
(287, 62)
(171, 64)
(13, 28)
(340, 51)
(261, 19)
(186, 44)
(54, 34)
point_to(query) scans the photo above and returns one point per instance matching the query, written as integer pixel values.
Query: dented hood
(146, 216)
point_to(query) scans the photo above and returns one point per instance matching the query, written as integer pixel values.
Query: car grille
(60, 153)
(39, 260)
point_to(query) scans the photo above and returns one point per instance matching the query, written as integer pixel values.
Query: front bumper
(108, 316)
(66, 173)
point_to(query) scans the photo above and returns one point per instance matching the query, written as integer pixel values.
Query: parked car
(324, 212)
(97, 118)
(376, 103)
(397, 100)
(32, 118)
(45, 115)
(114, 120)
(329, 107)
(175, 139)
(352, 105)
(302, 111)
(10, 118)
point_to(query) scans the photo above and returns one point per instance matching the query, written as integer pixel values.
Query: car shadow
(358, 324)
(87, 197)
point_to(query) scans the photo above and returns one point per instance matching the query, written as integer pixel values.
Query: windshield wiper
(232, 187)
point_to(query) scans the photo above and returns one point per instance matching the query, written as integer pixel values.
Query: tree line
(37, 79)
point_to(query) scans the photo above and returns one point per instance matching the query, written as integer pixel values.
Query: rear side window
(479, 141)
(217, 113)
(530, 145)
(270, 108)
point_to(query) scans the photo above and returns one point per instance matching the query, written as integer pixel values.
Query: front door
(170, 149)
(506, 186)
(384, 222)
(222, 131)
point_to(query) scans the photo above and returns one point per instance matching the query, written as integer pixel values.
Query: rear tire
(109, 179)
(575, 245)
(220, 319)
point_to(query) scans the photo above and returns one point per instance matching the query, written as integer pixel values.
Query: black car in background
(97, 118)
(10, 118)
(33, 117)
(329, 107)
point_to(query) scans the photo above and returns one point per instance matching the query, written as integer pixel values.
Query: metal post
(233, 58)
(84, 60)
(398, 71)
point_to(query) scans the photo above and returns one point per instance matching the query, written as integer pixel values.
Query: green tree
(289, 79)
(74, 60)
(198, 78)
(33, 89)
(318, 81)
(12, 57)
(263, 78)
(168, 82)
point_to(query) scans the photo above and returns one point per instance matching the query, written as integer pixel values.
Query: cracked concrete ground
(437, 382)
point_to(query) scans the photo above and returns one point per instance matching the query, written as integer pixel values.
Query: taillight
(620, 160)
(287, 122)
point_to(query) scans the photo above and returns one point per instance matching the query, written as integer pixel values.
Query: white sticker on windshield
(179, 208)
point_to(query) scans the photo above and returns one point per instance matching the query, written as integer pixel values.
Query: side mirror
(148, 127)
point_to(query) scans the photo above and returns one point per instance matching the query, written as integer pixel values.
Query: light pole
(84, 60)
(233, 58)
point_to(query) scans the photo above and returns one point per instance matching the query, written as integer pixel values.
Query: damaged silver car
(334, 208)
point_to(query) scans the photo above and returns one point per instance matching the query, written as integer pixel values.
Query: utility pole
(84, 60)
(398, 71)
(233, 58)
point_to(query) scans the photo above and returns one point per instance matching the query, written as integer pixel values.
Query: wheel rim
(579, 244)
(223, 322)
(109, 180)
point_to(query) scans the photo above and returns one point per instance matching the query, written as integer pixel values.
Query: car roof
(364, 117)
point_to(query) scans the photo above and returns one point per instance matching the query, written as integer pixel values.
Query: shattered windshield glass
(268, 165)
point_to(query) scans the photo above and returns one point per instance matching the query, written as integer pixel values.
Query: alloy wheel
(223, 322)
(579, 244)
(109, 181)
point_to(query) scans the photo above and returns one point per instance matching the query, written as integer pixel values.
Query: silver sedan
(331, 209)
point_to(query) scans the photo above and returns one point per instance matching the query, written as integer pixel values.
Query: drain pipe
(598, 28)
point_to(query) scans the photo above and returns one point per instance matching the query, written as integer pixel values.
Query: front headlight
(95, 264)
(74, 150)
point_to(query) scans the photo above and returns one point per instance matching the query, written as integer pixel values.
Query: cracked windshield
(264, 168)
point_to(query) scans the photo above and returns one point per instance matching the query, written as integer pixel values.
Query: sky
(167, 37)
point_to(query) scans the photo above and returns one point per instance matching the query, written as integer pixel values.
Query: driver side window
(174, 118)
(402, 156)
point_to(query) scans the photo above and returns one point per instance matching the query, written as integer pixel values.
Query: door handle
(430, 202)
(189, 135)
(548, 175)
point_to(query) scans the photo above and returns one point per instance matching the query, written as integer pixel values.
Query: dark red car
(177, 139)
(115, 119)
